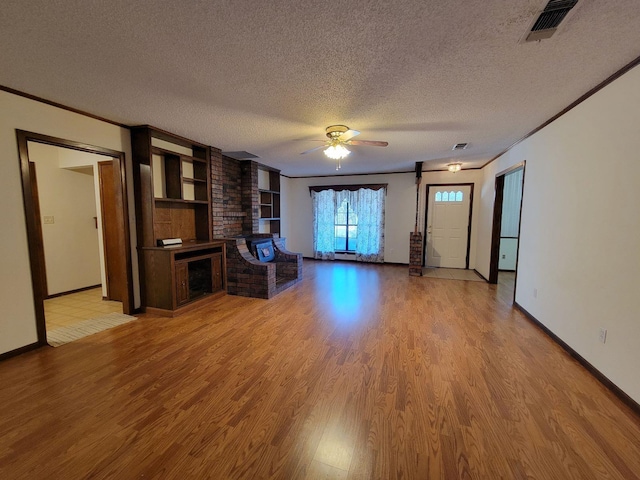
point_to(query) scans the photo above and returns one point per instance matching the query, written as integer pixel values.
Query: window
(449, 196)
(346, 228)
(349, 218)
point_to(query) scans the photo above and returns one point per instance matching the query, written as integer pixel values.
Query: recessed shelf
(185, 158)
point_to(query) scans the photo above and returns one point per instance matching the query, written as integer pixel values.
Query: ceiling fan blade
(370, 143)
(313, 149)
(349, 134)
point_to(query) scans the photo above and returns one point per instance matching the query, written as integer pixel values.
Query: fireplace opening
(200, 278)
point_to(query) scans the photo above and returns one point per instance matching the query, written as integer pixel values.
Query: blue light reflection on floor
(344, 290)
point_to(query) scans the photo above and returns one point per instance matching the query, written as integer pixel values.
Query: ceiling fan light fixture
(454, 167)
(336, 152)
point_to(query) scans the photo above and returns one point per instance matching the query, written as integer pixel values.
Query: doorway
(79, 275)
(505, 233)
(448, 225)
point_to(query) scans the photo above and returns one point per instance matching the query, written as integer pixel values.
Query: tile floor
(76, 307)
(452, 274)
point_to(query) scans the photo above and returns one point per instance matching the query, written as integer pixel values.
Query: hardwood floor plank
(357, 372)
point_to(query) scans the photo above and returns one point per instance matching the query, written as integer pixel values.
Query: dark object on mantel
(249, 277)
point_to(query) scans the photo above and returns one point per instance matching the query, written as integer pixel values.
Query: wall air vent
(460, 146)
(240, 155)
(552, 15)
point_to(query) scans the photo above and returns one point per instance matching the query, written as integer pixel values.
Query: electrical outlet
(535, 293)
(603, 335)
(48, 220)
(504, 256)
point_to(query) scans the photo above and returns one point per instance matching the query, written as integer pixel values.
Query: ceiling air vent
(240, 155)
(548, 21)
(460, 146)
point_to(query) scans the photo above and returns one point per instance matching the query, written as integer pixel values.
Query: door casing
(428, 187)
(32, 220)
(497, 223)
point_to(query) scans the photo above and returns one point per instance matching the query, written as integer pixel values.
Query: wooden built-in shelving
(269, 198)
(172, 185)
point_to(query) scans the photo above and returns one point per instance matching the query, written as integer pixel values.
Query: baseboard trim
(481, 275)
(18, 351)
(617, 391)
(77, 290)
(355, 261)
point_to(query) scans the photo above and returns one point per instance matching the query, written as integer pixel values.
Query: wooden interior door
(112, 228)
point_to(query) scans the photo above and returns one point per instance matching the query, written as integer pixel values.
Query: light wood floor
(357, 372)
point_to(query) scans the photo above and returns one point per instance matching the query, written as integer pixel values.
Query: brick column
(250, 197)
(232, 201)
(217, 194)
(415, 254)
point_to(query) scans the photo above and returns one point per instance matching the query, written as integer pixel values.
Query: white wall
(400, 208)
(68, 197)
(580, 233)
(17, 322)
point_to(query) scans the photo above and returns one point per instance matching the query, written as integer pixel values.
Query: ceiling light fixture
(454, 167)
(337, 152)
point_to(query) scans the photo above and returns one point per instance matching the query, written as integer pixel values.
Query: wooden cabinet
(172, 185)
(177, 278)
(217, 262)
(182, 283)
(269, 196)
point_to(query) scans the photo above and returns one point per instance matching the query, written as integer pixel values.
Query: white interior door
(448, 226)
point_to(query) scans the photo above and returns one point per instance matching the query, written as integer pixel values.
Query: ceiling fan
(339, 136)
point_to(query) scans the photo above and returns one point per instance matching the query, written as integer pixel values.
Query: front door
(448, 226)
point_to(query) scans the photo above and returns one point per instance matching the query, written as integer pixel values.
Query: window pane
(445, 196)
(340, 238)
(341, 243)
(353, 237)
(438, 197)
(341, 218)
(459, 196)
(452, 196)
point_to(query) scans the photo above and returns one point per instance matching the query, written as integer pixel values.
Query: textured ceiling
(268, 77)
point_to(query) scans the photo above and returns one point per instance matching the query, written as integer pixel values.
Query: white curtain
(367, 204)
(511, 204)
(370, 207)
(324, 211)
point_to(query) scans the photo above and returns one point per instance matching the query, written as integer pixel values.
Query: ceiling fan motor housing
(334, 131)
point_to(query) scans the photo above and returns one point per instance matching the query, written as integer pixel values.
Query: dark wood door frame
(497, 223)
(426, 213)
(32, 220)
(39, 236)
